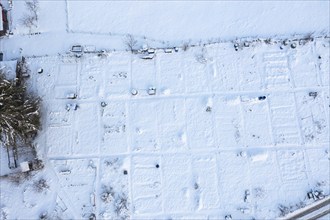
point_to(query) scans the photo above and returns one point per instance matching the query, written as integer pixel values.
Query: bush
(19, 178)
(121, 206)
(108, 194)
(40, 185)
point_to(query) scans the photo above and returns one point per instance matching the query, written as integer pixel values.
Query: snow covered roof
(25, 166)
(1, 22)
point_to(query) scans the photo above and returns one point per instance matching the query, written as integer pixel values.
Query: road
(315, 211)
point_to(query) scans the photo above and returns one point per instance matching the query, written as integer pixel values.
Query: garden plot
(114, 134)
(232, 185)
(171, 74)
(204, 171)
(277, 72)
(199, 117)
(67, 71)
(261, 191)
(256, 116)
(304, 66)
(284, 122)
(323, 52)
(147, 184)
(143, 75)
(60, 122)
(225, 73)
(144, 126)
(113, 189)
(313, 117)
(177, 184)
(171, 125)
(90, 80)
(196, 76)
(44, 83)
(87, 126)
(226, 132)
(77, 179)
(317, 163)
(249, 71)
(116, 75)
(59, 141)
(228, 121)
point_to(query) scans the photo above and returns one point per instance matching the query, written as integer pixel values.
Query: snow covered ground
(200, 20)
(228, 132)
(237, 132)
(104, 24)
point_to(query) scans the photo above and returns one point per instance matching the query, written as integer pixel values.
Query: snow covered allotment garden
(167, 110)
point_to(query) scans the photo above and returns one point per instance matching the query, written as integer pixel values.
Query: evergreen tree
(19, 114)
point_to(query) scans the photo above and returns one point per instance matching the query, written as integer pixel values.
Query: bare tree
(186, 46)
(201, 57)
(30, 19)
(33, 7)
(130, 42)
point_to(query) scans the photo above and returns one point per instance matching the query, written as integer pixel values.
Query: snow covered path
(227, 132)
